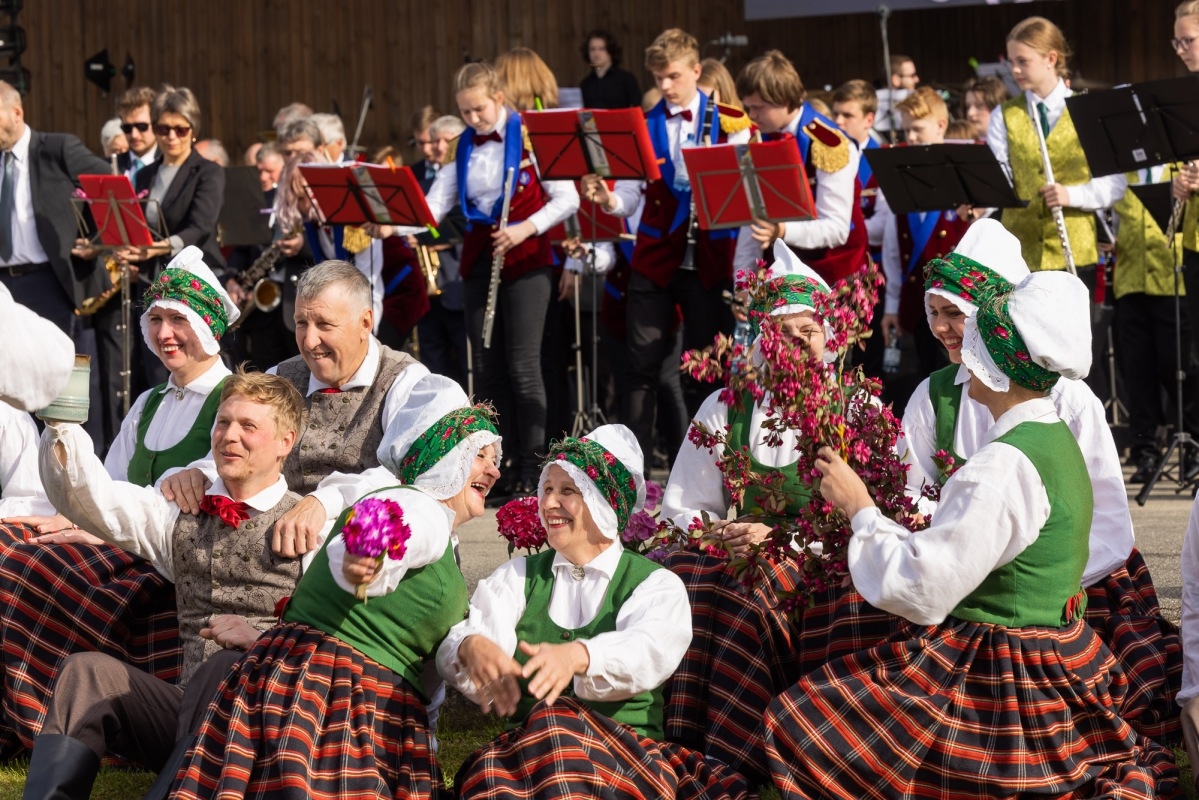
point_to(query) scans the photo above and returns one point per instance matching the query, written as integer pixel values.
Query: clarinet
(497, 264)
(688, 263)
(1059, 216)
(1176, 213)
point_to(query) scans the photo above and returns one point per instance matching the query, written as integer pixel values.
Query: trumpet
(430, 266)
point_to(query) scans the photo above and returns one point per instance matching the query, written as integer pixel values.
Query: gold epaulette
(354, 239)
(733, 119)
(830, 147)
(526, 142)
(451, 152)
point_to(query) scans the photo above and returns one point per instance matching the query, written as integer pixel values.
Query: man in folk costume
(1007, 687)
(227, 578)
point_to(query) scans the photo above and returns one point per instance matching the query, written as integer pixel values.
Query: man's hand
(292, 245)
(552, 667)
(68, 537)
(186, 489)
(298, 531)
(231, 632)
(493, 672)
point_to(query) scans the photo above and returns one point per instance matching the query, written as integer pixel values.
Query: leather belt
(17, 270)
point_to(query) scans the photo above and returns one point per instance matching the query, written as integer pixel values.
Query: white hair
(448, 125)
(110, 131)
(331, 128)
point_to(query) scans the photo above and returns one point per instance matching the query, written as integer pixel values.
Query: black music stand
(1158, 200)
(940, 177)
(1130, 128)
(245, 215)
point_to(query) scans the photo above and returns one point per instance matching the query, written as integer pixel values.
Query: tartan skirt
(568, 750)
(965, 710)
(305, 715)
(1125, 613)
(59, 599)
(744, 652)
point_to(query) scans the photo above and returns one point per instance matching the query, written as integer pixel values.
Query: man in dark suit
(133, 109)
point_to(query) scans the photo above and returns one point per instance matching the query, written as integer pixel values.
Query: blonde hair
(923, 103)
(860, 92)
(650, 98)
(1043, 36)
(268, 390)
(1187, 8)
(716, 75)
(673, 44)
(479, 75)
(525, 78)
(772, 77)
(960, 129)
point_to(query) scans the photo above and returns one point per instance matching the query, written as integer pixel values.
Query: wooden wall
(246, 58)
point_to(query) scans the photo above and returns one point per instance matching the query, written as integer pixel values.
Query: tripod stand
(589, 416)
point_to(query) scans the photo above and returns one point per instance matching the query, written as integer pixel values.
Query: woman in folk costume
(745, 650)
(993, 685)
(1122, 605)
(329, 703)
(67, 591)
(575, 643)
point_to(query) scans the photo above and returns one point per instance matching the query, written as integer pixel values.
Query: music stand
(245, 217)
(1130, 128)
(394, 195)
(734, 184)
(612, 143)
(940, 177)
(1158, 200)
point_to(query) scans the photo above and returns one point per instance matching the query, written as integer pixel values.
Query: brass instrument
(430, 266)
(497, 264)
(91, 305)
(262, 292)
(1059, 216)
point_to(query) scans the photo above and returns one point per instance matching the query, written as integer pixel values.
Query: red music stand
(117, 211)
(611, 143)
(590, 224)
(334, 190)
(354, 194)
(734, 184)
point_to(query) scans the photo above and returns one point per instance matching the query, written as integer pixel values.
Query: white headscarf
(622, 444)
(191, 259)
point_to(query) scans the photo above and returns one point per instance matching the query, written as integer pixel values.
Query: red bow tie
(776, 137)
(231, 512)
(329, 390)
(484, 138)
(685, 113)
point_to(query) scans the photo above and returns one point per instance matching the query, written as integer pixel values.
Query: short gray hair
(331, 128)
(179, 101)
(110, 131)
(449, 126)
(327, 274)
(303, 128)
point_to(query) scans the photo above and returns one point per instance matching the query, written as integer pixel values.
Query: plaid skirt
(744, 652)
(305, 715)
(567, 750)
(60, 599)
(966, 710)
(1125, 613)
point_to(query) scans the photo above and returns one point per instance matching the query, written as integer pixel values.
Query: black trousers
(442, 333)
(509, 372)
(651, 317)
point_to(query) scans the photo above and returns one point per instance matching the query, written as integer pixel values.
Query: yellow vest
(1190, 224)
(1033, 225)
(1145, 261)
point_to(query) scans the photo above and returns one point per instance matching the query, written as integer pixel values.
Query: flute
(497, 264)
(1059, 216)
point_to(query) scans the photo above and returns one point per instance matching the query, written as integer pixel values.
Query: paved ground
(1159, 525)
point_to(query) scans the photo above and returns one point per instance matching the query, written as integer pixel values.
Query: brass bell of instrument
(267, 295)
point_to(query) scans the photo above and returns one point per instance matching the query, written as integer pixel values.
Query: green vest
(946, 398)
(642, 712)
(1034, 225)
(1043, 585)
(1146, 260)
(401, 629)
(146, 466)
(798, 493)
(1190, 224)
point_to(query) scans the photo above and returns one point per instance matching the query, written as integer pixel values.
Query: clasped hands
(496, 675)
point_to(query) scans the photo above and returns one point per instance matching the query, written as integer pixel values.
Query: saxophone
(91, 305)
(262, 292)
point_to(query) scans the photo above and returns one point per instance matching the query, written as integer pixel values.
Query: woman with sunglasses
(182, 194)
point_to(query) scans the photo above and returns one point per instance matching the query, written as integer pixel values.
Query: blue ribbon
(397, 279)
(865, 172)
(513, 150)
(337, 234)
(655, 120)
(922, 231)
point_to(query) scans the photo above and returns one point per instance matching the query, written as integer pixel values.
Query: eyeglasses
(180, 130)
(129, 127)
(1183, 43)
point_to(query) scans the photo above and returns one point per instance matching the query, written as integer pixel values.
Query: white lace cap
(979, 361)
(621, 443)
(191, 259)
(432, 398)
(992, 245)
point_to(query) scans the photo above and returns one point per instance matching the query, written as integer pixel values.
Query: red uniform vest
(949, 230)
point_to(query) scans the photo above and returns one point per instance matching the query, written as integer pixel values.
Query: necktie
(231, 512)
(685, 113)
(1043, 113)
(7, 190)
(135, 165)
(329, 390)
(484, 138)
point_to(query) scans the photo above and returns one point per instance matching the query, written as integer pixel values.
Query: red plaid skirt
(60, 599)
(567, 750)
(744, 652)
(1125, 613)
(304, 715)
(966, 710)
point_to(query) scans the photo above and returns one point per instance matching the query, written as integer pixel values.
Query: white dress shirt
(680, 133)
(485, 182)
(893, 265)
(876, 224)
(834, 212)
(172, 421)
(36, 357)
(1093, 195)
(339, 490)
(1112, 537)
(135, 518)
(26, 247)
(991, 510)
(653, 627)
(23, 494)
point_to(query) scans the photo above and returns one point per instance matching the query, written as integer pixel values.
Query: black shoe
(1146, 466)
(60, 768)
